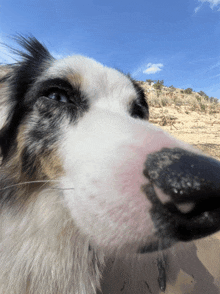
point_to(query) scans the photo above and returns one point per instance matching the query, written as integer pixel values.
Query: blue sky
(177, 41)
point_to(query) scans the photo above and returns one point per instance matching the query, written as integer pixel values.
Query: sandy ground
(190, 268)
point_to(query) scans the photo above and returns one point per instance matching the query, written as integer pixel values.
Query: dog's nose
(187, 188)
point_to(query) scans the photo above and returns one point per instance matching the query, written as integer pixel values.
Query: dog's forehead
(92, 77)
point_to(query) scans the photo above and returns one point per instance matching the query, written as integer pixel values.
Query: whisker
(60, 188)
(29, 182)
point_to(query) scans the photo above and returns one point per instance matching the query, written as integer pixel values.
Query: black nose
(185, 192)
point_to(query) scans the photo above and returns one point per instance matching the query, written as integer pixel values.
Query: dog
(85, 176)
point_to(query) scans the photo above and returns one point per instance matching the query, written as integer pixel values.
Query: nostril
(182, 207)
(185, 208)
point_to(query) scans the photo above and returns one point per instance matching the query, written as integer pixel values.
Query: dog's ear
(15, 81)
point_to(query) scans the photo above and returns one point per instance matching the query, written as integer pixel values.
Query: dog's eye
(58, 95)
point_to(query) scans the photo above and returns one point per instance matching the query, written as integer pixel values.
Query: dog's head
(83, 128)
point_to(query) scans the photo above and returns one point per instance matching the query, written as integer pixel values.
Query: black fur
(139, 107)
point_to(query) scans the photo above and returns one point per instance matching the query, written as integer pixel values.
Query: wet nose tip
(190, 181)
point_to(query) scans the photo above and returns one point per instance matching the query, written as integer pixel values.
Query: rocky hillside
(190, 116)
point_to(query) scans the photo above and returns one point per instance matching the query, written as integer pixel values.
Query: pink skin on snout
(104, 162)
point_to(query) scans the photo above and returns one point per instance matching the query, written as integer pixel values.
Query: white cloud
(197, 8)
(213, 4)
(153, 68)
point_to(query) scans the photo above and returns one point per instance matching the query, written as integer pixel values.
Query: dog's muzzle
(184, 190)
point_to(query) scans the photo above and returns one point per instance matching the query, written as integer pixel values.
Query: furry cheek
(33, 159)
